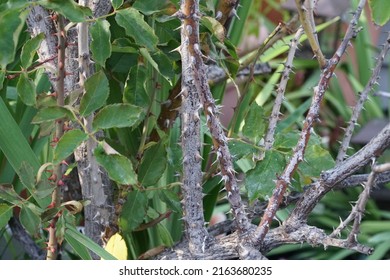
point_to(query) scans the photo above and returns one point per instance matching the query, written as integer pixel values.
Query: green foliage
(96, 93)
(117, 115)
(11, 24)
(380, 11)
(68, 8)
(29, 50)
(134, 211)
(150, 169)
(136, 27)
(119, 168)
(101, 41)
(67, 144)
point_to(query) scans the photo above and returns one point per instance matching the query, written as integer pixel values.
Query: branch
(305, 11)
(359, 105)
(284, 180)
(95, 184)
(336, 175)
(52, 246)
(269, 138)
(192, 203)
(358, 209)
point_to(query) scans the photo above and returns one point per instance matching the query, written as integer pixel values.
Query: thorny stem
(331, 177)
(193, 217)
(197, 84)
(305, 11)
(52, 246)
(284, 180)
(359, 105)
(269, 138)
(358, 209)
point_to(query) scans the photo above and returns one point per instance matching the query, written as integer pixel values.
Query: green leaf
(2, 77)
(153, 164)
(26, 90)
(214, 26)
(8, 194)
(11, 24)
(16, 148)
(68, 143)
(67, 8)
(27, 175)
(135, 92)
(80, 243)
(260, 181)
(380, 11)
(96, 93)
(254, 127)
(101, 41)
(50, 114)
(293, 117)
(136, 27)
(133, 211)
(116, 3)
(117, 115)
(149, 7)
(30, 220)
(240, 149)
(165, 235)
(286, 140)
(29, 50)
(119, 168)
(160, 62)
(5, 214)
(317, 159)
(171, 199)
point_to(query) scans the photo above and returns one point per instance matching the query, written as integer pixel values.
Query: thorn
(60, 183)
(53, 177)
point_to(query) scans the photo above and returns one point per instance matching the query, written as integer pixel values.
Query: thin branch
(193, 217)
(330, 178)
(269, 138)
(284, 180)
(305, 11)
(359, 105)
(95, 185)
(358, 209)
(52, 246)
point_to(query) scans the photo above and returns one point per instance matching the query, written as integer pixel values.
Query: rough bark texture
(192, 175)
(99, 216)
(94, 181)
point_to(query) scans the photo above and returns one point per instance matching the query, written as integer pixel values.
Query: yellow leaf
(116, 245)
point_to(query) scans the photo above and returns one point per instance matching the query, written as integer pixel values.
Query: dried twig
(284, 180)
(359, 105)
